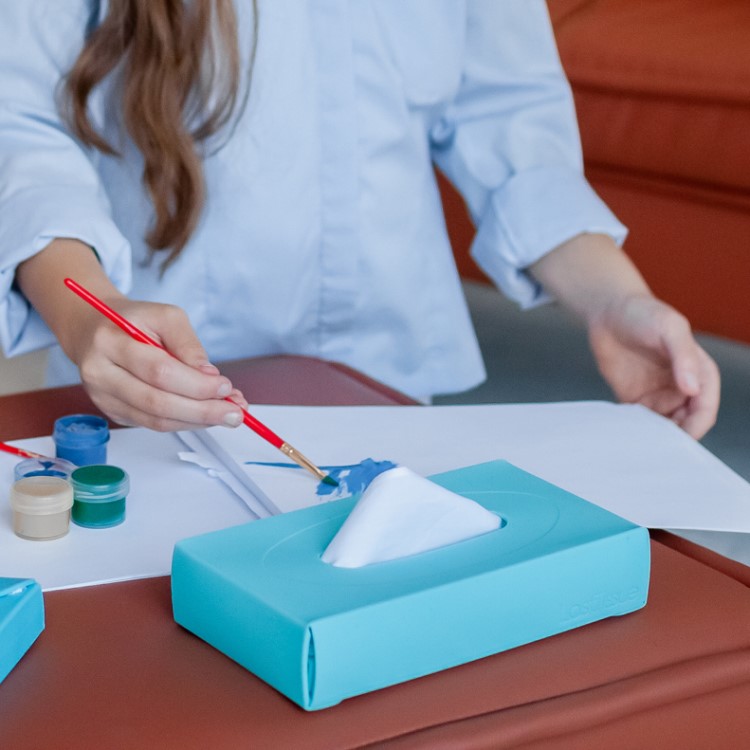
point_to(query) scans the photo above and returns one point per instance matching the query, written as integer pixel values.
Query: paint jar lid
(99, 483)
(43, 467)
(80, 431)
(41, 496)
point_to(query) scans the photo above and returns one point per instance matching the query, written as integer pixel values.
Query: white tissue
(401, 514)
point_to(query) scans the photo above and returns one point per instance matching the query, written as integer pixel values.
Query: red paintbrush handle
(108, 312)
(260, 428)
(20, 451)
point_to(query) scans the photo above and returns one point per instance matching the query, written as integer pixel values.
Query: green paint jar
(99, 493)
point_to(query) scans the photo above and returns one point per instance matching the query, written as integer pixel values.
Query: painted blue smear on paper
(351, 478)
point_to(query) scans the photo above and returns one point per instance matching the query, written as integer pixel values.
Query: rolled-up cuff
(530, 215)
(28, 223)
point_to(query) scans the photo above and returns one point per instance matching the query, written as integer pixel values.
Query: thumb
(684, 355)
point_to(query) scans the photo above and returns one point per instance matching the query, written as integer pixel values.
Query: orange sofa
(662, 90)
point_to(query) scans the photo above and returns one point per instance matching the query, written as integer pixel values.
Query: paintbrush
(255, 425)
(22, 453)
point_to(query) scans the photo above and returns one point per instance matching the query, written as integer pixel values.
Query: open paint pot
(99, 495)
(43, 467)
(81, 439)
(41, 507)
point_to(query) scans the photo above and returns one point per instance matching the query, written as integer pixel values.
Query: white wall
(24, 373)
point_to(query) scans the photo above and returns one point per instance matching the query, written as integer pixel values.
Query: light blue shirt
(322, 232)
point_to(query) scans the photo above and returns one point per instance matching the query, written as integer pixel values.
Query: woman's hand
(647, 353)
(131, 382)
(138, 384)
(644, 348)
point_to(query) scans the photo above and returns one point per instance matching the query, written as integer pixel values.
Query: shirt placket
(338, 176)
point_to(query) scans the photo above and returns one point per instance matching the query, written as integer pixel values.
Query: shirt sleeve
(49, 186)
(509, 143)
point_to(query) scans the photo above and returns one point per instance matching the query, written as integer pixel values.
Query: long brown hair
(180, 69)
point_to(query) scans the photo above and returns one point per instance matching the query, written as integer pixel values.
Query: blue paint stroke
(351, 478)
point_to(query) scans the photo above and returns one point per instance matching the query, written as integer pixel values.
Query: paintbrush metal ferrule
(306, 463)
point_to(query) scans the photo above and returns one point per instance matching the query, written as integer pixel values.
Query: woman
(268, 168)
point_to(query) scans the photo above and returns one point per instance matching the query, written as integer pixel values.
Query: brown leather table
(113, 670)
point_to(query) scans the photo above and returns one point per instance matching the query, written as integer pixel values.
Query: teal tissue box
(21, 620)
(261, 594)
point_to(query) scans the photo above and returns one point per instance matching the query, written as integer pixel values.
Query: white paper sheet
(621, 457)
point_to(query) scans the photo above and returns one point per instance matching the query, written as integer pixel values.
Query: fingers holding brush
(149, 387)
(128, 400)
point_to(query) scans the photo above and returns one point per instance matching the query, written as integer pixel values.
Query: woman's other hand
(643, 347)
(647, 353)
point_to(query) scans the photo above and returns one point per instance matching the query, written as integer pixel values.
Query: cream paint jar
(41, 507)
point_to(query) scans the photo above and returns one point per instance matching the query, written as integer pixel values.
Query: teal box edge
(21, 620)
(260, 594)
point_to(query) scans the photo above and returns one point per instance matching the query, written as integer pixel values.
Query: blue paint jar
(43, 467)
(99, 494)
(81, 439)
